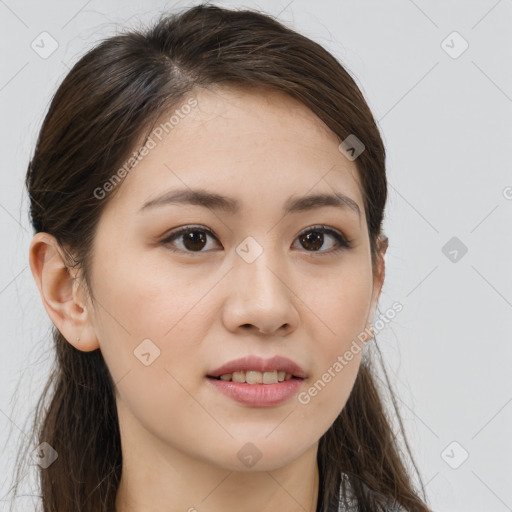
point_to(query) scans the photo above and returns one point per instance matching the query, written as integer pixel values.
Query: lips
(248, 363)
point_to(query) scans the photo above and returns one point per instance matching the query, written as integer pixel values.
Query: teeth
(238, 377)
(255, 377)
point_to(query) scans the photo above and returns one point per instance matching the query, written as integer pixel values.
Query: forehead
(257, 145)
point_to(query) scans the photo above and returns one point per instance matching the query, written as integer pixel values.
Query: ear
(378, 280)
(59, 292)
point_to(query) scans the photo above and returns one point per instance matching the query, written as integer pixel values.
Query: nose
(260, 297)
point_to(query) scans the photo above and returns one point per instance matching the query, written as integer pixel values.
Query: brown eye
(314, 239)
(193, 239)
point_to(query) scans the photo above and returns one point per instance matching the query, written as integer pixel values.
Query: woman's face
(260, 281)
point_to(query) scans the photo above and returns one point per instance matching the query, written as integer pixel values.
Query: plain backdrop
(438, 77)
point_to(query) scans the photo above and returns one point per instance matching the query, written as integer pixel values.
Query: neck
(163, 478)
(215, 490)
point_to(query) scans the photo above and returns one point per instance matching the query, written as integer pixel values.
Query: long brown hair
(110, 101)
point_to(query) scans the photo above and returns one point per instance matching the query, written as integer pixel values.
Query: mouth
(250, 388)
(254, 370)
(256, 377)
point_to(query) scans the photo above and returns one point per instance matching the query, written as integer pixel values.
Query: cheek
(337, 361)
(144, 296)
(150, 326)
(340, 308)
(341, 314)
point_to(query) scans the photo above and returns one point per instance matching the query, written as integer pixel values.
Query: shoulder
(348, 502)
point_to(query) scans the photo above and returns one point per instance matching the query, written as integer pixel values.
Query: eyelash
(343, 242)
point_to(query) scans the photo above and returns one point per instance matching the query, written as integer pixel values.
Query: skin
(180, 437)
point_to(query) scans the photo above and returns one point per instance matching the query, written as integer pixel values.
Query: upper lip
(247, 363)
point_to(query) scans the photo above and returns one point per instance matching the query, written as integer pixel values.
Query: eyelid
(323, 228)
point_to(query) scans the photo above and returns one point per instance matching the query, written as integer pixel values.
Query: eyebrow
(200, 197)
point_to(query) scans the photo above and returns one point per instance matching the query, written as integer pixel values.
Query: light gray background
(447, 126)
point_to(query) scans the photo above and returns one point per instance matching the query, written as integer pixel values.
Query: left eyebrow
(200, 197)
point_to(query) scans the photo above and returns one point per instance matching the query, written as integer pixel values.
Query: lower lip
(258, 395)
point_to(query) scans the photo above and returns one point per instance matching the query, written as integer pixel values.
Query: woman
(207, 198)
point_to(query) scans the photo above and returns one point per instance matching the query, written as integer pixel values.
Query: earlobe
(383, 244)
(59, 293)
